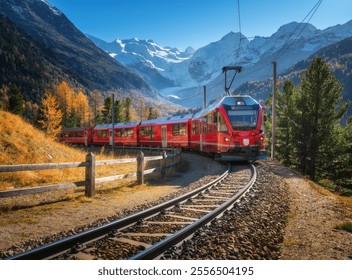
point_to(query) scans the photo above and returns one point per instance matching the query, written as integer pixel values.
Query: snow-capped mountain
(181, 75)
(146, 58)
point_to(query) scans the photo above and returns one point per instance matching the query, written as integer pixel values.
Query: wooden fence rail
(90, 180)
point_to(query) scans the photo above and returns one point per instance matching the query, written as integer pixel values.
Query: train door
(110, 137)
(164, 136)
(201, 138)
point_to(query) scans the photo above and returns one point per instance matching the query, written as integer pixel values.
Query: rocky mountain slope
(71, 52)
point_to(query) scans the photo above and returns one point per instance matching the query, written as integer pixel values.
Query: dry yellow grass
(346, 201)
(21, 143)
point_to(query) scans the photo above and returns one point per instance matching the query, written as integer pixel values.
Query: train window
(222, 125)
(127, 132)
(205, 128)
(179, 129)
(143, 131)
(243, 119)
(118, 132)
(210, 123)
(101, 133)
(146, 131)
(195, 128)
(124, 132)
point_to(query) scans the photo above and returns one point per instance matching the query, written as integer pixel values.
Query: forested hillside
(23, 62)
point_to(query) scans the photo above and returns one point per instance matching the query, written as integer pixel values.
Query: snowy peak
(178, 73)
(126, 51)
(52, 8)
(294, 29)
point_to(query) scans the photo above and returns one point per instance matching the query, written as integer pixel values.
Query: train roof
(117, 125)
(234, 100)
(173, 119)
(75, 128)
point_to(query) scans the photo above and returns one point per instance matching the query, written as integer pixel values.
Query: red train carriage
(125, 134)
(76, 136)
(231, 128)
(165, 132)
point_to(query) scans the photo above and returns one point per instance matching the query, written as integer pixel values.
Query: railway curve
(252, 218)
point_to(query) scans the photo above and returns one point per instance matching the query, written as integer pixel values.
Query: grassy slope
(21, 143)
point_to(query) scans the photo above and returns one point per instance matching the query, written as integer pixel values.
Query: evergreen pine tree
(118, 112)
(285, 114)
(107, 110)
(16, 102)
(319, 112)
(127, 107)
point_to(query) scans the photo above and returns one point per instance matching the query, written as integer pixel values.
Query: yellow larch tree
(82, 109)
(51, 115)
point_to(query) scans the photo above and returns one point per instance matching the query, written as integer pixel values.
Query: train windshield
(243, 117)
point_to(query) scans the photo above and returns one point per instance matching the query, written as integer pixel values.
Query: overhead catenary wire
(289, 43)
(302, 23)
(240, 30)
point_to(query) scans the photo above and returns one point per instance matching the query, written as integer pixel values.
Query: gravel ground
(253, 229)
(283, 217)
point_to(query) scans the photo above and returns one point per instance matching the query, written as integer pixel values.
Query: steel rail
(61, 246)
(160, 247)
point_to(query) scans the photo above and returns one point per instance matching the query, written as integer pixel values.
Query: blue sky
(196, 23)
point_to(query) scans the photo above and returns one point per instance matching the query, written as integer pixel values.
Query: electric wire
(312, 12)
(240, 29)
(287, 45)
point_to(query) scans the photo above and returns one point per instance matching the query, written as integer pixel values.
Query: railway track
(147, 234)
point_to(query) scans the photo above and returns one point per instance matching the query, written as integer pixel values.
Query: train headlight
(227, 139)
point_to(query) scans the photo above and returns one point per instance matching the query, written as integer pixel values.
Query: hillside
(24, 62)
(67, 52)
(21, 143)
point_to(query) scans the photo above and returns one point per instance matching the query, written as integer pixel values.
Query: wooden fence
(90, 180)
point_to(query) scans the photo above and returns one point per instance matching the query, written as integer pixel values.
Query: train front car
(231, 129)
(244, 119)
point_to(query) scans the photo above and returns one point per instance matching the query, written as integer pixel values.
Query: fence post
(163, 163)
(140, 168)
(90, 175)
(178, 157)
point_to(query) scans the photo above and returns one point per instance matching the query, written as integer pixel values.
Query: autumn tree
(50, 115)
(82, 109)
(97, 105)
(153, 113)
(65, 98)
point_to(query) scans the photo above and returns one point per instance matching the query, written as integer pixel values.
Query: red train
(231, 130)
